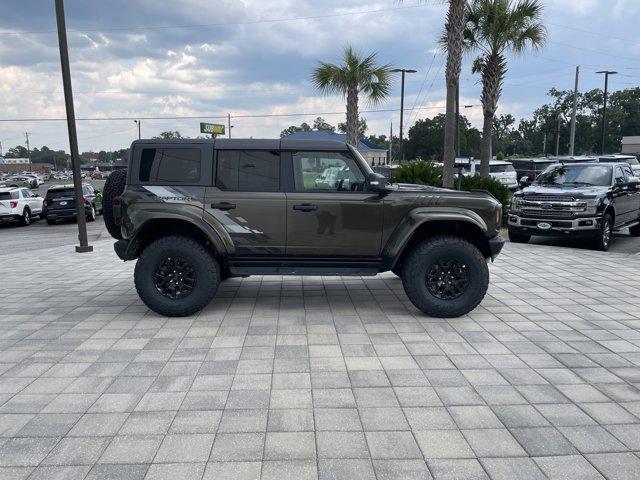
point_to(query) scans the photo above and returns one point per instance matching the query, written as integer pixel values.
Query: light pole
(458, 126)
(604, 109)
(403, 71)
(139, 123)
(71, 125)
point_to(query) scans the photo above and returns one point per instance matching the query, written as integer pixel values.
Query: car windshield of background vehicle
(501, 168)
(576, 175)
(60, 192)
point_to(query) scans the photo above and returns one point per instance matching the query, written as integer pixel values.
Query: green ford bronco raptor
(195, 212)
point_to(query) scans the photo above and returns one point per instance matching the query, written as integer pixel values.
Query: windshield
(577, 175)
(501, 168)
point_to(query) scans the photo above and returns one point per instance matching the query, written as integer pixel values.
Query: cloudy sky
(250, 58)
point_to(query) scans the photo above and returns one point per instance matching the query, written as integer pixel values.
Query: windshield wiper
(586, 184)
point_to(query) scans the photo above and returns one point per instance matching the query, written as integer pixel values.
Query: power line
(213, 117)
(222, 24)
(424, 81)
(593, 32)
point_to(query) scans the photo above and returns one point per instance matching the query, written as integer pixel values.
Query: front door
(329, 211)
(246, 200)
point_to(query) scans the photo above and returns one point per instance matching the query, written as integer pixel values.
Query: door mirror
(525, 182)
(633, 182)
(378, 183)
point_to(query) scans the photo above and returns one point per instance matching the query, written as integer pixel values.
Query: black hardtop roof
(250, 143)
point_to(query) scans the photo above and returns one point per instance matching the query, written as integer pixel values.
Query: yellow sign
(212, 128)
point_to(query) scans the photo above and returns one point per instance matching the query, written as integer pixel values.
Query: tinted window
(326, 171)
(577, 175)
(60, 192)
(248, 171)
(170, 165)
(9, 195)
(501, 168)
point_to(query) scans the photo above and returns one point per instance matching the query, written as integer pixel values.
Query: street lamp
(139, 123)
(604, 109)
(458, 125)
(403, 71)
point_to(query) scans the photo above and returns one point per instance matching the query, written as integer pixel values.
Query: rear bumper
(495, 245)
(8, 217)
(62, 213)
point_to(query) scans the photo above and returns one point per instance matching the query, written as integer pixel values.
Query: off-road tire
(518, 237)
(25, 220)
(50, 221)
(201, 260)
(599, 242)
(113, 187)
(445, 248)
(635, 231)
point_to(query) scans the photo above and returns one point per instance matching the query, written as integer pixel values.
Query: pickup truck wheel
(518, 238)
(176, 276)
(602, 240)
(445, 276)
(113, 187)
(635, 231)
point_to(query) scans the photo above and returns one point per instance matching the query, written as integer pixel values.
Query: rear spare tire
(445, 276)
(113, 187)
(176, 276)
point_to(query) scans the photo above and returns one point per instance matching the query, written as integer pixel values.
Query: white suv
(19, 204)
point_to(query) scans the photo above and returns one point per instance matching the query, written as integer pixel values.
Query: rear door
(624, 198)
(246, 199)
(329, 211)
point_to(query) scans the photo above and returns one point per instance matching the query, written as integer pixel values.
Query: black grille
(535, 212)
(548, 198)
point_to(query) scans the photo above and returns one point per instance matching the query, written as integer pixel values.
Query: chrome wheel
(606, 234)
(447, 279)
(26, 217)
(174, 278)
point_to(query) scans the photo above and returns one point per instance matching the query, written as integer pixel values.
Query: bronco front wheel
(176, 276)
(445, 276)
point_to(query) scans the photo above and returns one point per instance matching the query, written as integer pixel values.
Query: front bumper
(554, 227)
(495, 245)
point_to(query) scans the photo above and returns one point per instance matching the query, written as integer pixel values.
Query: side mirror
(378, 183)
(525, 182)
(633, 182)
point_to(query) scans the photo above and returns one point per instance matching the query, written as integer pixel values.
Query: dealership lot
(320, 377)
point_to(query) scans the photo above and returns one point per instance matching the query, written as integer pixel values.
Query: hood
(412, 187)
(579, 191)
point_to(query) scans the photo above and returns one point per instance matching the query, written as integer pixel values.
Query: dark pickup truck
(590, 201)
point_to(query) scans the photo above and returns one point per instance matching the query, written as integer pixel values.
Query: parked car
(17, 181)
(60, 203)
(530, 167)
(500, 170)
(19, 204)
(575, 159)
(619, 158)
(192, 221)
(578, 200)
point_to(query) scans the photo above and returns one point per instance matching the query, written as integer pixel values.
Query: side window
(619, 176)
(326, 171)
(248, 171)
(627, 171)
(170, 165)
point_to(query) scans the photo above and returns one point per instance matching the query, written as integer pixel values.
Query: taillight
(45, 203)
(13, 203)
(85, 201)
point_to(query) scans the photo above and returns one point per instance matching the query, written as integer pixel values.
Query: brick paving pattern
(330, 378)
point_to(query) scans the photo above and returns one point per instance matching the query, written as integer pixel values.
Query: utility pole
(71, 125)
(403, 71)
(0, 149)
(604, 109)
(391, 144)
(229, 124)
(544, 145)
(26, 135)
(139, 123)
(558, 135)
(572, 141)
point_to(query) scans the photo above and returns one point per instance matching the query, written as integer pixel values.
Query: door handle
(223, 206)
(305, 207)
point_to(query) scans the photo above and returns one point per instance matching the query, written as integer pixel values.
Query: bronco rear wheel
(176, 276)
(445, 276)
(113, 188)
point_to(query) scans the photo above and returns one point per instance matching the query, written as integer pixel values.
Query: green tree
(293, 129)
(169, 135)
(426, 139)
(362, 127)
(496, 28)
(356, 76)
(322, 126)
(17, 152)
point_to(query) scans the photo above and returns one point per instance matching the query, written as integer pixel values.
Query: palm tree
(357, 75)
(453, 43)
(496, 28)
